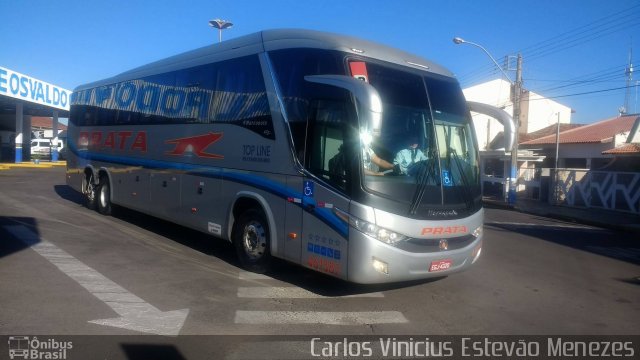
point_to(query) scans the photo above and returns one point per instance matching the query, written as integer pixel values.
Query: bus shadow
(151, 351)
(326, 285)
(201, 242)
(196, 240)
(17, 234)
(67, 193)
(281, 270)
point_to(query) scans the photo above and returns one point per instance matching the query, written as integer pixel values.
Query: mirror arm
(366, 94)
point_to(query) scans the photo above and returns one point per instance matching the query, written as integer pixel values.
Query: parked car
(42, 148)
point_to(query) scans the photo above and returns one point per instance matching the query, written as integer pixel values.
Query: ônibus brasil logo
(32, 348)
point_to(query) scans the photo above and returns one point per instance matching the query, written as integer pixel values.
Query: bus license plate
(440, 265)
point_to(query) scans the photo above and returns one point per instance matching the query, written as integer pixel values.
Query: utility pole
(636, 106)
(517, 99)
(629, 73)
(557, 140)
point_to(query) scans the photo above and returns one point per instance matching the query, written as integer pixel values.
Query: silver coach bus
(338, 154)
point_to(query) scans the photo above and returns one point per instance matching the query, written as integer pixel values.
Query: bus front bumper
(382, 263)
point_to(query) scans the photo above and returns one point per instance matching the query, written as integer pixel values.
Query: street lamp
(517, 90)
(220, 25)
(458, 41)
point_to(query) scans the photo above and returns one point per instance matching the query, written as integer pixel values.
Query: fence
(530, 183)
(618, 191)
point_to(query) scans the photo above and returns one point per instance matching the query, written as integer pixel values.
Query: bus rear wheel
(90, 192)
(104, 196)
(252, 241)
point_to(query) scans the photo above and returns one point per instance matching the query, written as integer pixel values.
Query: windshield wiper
(466, 192)
(423, 176)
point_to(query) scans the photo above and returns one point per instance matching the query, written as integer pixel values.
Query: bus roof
(268, 40)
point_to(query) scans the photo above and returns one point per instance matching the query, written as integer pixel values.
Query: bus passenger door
(325, 235)
(293, 223)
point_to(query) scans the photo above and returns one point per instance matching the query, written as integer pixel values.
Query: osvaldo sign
(26, 88)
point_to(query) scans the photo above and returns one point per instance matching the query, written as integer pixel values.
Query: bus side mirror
(369, 101)
(502, 116)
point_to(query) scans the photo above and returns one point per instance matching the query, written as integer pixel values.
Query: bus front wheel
(252, 241)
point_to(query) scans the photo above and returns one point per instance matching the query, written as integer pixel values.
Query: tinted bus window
(232, 91)
(291, 66)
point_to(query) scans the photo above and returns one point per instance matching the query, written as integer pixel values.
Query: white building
(19, 104)
(536, 111)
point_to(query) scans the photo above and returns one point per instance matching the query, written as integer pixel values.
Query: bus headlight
(477, 232)
(380, 266)
(377, 232)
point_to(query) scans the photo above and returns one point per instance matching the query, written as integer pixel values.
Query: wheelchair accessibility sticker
(308, 188)
(446, 178)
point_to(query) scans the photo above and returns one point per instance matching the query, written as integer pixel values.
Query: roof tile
(45, 123)
(626, 149)
(599, 132)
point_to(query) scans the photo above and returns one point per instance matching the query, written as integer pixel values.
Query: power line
(571, 38)
(604, 26)
(560, 36)
(601, 76)
(581, 40)
(583, 93)
(578, 82)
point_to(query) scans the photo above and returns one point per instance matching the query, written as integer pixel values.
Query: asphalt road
(535, 276)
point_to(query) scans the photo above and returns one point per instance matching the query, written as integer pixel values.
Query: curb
(29, 165)
(32, 165)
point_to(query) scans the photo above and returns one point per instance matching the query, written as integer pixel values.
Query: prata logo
(195, 145)
(24, 347)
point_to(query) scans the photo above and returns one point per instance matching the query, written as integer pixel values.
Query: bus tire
(251, 239)
(89, 189)
(104, 196)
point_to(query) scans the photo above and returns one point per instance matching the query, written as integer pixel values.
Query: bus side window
(291, 66)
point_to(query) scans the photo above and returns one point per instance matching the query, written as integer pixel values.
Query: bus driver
(409, 156)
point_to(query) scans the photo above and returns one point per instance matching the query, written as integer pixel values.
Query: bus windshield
(422, 164)
(425, 155)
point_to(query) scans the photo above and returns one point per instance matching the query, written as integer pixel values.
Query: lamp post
(636, 106)
(220, 25)
(557, 140)
(517, 92)
(458, 41)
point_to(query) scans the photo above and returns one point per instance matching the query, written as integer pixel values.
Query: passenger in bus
(408, 157)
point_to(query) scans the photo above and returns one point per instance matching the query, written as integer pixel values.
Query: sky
(574, 51)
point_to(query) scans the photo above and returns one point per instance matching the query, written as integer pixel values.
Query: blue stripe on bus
(325, 215)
